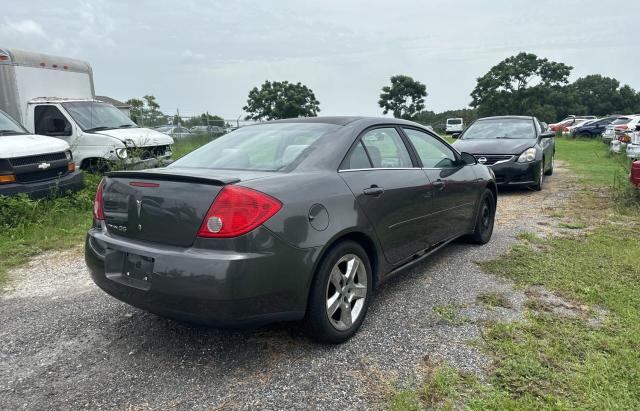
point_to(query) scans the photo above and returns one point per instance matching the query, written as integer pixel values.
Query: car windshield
(500, 128)
(265, 147)
(94, 116)
(9, 126)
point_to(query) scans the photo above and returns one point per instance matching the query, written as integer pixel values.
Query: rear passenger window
(386, 148)
(357, 159)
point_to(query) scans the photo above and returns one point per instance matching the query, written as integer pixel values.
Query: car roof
(507, 117)
(346, 120)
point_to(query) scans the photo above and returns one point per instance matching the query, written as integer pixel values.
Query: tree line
(523, 84)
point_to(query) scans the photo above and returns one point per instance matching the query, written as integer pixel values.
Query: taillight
(621, 127)
(98, 212)
(236, 211)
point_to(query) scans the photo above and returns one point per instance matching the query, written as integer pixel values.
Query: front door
(393, 194)
(455, 195)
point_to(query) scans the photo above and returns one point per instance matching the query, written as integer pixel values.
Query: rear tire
(340, 294)
(485, 219)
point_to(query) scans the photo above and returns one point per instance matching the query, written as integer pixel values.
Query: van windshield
(95, 116)
(9, 126)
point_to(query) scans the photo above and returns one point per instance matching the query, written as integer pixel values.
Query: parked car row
(178, 131)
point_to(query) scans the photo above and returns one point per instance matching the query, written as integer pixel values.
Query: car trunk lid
(164, 205)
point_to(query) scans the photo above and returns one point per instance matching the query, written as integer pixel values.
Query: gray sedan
(286, 220)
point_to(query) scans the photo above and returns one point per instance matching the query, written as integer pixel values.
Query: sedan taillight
(98, 212)
(236, 211)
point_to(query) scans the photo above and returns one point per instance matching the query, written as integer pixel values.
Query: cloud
(189, 56)
(26, 27)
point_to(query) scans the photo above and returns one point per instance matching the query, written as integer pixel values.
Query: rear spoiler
(167, 176)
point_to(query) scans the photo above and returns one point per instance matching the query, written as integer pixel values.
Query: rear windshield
(500, 128)
(454, 121)
(265, 147)
(621, 120)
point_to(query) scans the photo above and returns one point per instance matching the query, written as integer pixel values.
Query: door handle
(439, 184)
(374, 190)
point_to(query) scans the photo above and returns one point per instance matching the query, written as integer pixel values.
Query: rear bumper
(516, 174)
(71, 182)
(213, 287)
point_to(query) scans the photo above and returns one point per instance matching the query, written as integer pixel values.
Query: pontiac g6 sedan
(286, 220)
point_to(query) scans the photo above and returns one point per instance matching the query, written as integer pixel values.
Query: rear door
(393, 193)
(455, 187)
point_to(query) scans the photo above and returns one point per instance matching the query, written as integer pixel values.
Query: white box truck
(54, 96)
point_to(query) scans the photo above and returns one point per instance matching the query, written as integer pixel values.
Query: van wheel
(340, 294)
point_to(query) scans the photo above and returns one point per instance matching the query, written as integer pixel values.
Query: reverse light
(98, 211)
(236, 211)
(528, 156)
(7, 178)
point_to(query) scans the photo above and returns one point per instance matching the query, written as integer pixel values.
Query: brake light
(143, 184)
(236, 211)
(98, 211)
(621, 127)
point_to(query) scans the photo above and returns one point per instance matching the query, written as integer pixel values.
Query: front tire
(340, 294)
(550, 170)
(541, 173)
(485, 219)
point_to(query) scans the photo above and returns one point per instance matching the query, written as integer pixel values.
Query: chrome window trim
(347, 170)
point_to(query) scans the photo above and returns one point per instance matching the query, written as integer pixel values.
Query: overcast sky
(207, 55)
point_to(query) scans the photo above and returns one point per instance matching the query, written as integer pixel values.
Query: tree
(137, 107)
(152, 114)
(281, 99)
(404, 98)
(521, 84)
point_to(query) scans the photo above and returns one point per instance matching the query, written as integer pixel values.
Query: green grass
(493, 300)
(591, 160)
(449, 314)
(551, 361)
(443, 387)
(186, 145)
(28, 227)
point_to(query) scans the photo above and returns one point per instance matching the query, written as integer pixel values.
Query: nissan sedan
(286, 220)
(517, 149)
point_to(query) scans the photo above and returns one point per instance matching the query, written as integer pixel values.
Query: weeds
(493, 300)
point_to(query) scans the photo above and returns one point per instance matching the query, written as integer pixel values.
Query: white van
(35, 165)
(454, 125)
(54, 96)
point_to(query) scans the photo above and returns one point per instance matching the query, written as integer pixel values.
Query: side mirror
(456, 134)
(548, 134)
(468, 159)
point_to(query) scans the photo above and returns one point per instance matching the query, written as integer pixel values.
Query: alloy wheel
(346, 292)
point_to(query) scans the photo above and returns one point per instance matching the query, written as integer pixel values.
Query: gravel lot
(64, 344)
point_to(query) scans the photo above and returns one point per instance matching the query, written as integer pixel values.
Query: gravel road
(64, 344)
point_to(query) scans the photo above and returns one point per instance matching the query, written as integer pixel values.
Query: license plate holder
(138, 267)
